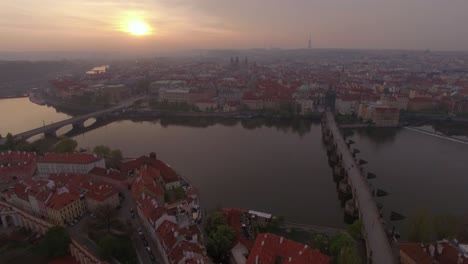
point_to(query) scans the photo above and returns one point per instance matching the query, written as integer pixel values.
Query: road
(135, 223)
(79, 231)
(378, 243)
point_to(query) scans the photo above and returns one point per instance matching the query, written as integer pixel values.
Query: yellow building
(63, 207)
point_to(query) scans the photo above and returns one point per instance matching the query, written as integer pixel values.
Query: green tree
(348, 255)
(102, 150)
(112, 156)
(116, 155)
(105, 216)
(220, 237)
(421, 227)
(65, 145)
(25, 146)
(340, 241)
(109, 245)
(56, 242)
(445, 225)
(321, 242)
(220, 242)
(179, 193)
(10, 142)
(214, 220)
(355, 229)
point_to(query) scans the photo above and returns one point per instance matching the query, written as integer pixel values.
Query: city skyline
(91, 26)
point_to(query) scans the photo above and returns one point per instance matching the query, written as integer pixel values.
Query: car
(148, 249)
(145, 243)
(151, 256)
(140, 232)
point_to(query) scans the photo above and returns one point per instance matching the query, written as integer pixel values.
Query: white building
(174, 95)
(77, 163)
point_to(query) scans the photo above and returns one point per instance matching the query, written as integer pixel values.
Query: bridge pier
(78, 125)
(50, 133)
(351, 209)
(354, 191)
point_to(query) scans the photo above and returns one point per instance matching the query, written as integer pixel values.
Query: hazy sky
(84, 25)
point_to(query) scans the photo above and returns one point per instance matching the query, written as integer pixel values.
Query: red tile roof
(233, 219)
(108, 173)
(166, 234)
(167, 173)
(442, 253)
(62, 198)
(273, 249)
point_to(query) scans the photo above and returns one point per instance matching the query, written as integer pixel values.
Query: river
(280, 168)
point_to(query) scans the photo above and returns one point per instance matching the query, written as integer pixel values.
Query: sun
(138, 28)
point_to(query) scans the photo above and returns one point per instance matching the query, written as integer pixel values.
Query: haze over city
(234, 131)
(172, 25)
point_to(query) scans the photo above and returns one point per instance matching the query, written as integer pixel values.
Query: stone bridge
(76, 122)
(353, 183)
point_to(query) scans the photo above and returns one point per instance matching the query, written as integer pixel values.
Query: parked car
(148, 249)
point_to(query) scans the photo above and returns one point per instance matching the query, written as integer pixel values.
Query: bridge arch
(8, 221)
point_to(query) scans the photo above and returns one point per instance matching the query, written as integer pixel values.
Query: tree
(65, 145)
(112, 156)
(340, 241)
(445, 225)
(109, 245)
(321, 242)
(421, 227)
(215, 219)
(220, 242)
(105, 215)
(56, 242)
(220, 238)
(118, 248)
(116, 155)
(348, 255)
(102, 150)
(10, 142)
(355, 229)
(179, 193)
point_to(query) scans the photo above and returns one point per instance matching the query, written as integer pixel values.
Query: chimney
(281, 240)
(440, 248)
(256, 259)
(431, 250)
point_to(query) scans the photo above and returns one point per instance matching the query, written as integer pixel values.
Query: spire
(310, 41)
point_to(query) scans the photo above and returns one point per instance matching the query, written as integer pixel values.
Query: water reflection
(296, 126)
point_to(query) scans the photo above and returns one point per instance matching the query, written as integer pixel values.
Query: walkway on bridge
(377, 241)
(57, 125)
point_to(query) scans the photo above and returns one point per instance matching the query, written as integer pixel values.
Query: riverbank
(458, 140)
